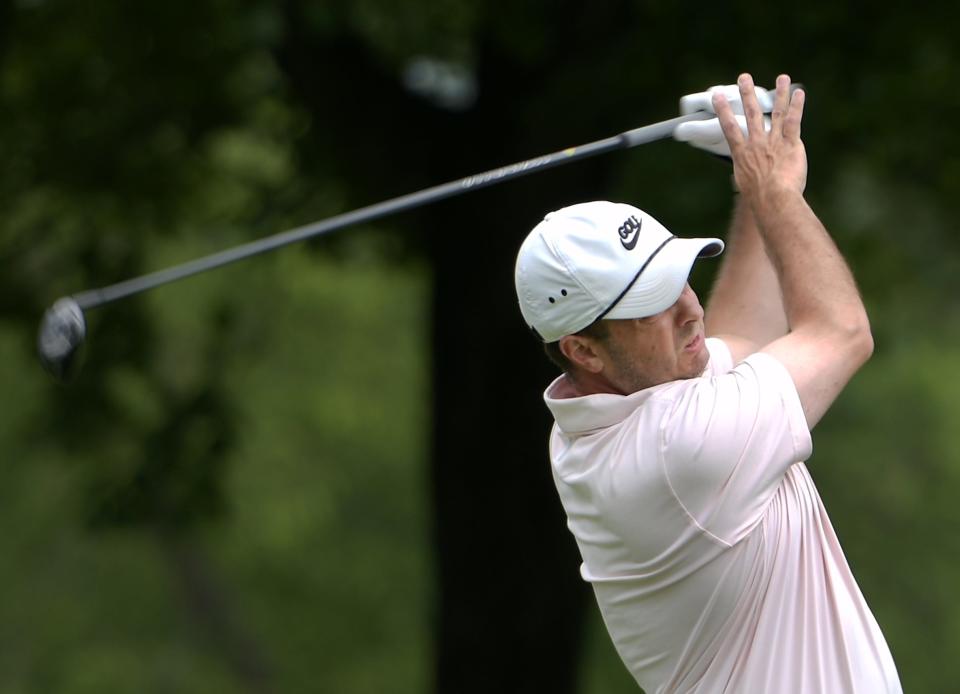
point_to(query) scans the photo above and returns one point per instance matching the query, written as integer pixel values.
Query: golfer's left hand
(707, 134)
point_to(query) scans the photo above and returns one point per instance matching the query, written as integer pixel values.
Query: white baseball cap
(601, 260)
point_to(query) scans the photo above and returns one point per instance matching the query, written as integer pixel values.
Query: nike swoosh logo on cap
(630, 232)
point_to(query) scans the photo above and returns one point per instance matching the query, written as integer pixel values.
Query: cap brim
(662, 281)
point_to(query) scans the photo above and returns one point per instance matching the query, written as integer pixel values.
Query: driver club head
(61, 335)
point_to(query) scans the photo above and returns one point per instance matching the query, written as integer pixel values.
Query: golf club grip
(661, 130)
(631, 138)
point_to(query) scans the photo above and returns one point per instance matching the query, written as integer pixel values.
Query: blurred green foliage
(320, 574)
(232, 496)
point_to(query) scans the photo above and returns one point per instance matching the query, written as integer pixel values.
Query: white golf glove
(707, 134)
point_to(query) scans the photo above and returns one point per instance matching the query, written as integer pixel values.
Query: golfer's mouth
(694, 344)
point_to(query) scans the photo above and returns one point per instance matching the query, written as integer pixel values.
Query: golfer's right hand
(765, 162)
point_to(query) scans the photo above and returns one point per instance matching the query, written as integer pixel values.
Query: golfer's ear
(581, 352)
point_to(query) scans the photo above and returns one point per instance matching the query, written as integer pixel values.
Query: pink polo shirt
(711, 555)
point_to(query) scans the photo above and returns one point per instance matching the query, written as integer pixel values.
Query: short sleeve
(727, 442)
(721, 360)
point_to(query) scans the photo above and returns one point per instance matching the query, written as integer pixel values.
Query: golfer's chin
(695, 357)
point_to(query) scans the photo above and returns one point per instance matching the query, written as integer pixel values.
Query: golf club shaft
(631, 138)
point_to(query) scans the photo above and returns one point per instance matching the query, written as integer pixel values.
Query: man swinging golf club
(680, 433)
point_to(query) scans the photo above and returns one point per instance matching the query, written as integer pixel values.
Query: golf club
(63, 329)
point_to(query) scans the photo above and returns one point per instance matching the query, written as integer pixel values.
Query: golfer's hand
(765, 162)
(707, 134)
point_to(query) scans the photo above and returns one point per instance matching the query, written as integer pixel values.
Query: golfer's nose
(689, 306)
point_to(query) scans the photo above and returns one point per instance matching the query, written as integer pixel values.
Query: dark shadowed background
(325, 470)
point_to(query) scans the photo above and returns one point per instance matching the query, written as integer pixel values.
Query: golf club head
(60, 338)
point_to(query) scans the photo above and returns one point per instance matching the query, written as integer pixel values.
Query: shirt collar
(586, 413)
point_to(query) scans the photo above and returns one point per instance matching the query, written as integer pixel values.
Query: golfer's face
(668, 346)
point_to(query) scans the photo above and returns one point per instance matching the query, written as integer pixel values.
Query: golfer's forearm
(745, 299)
(819, 292)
